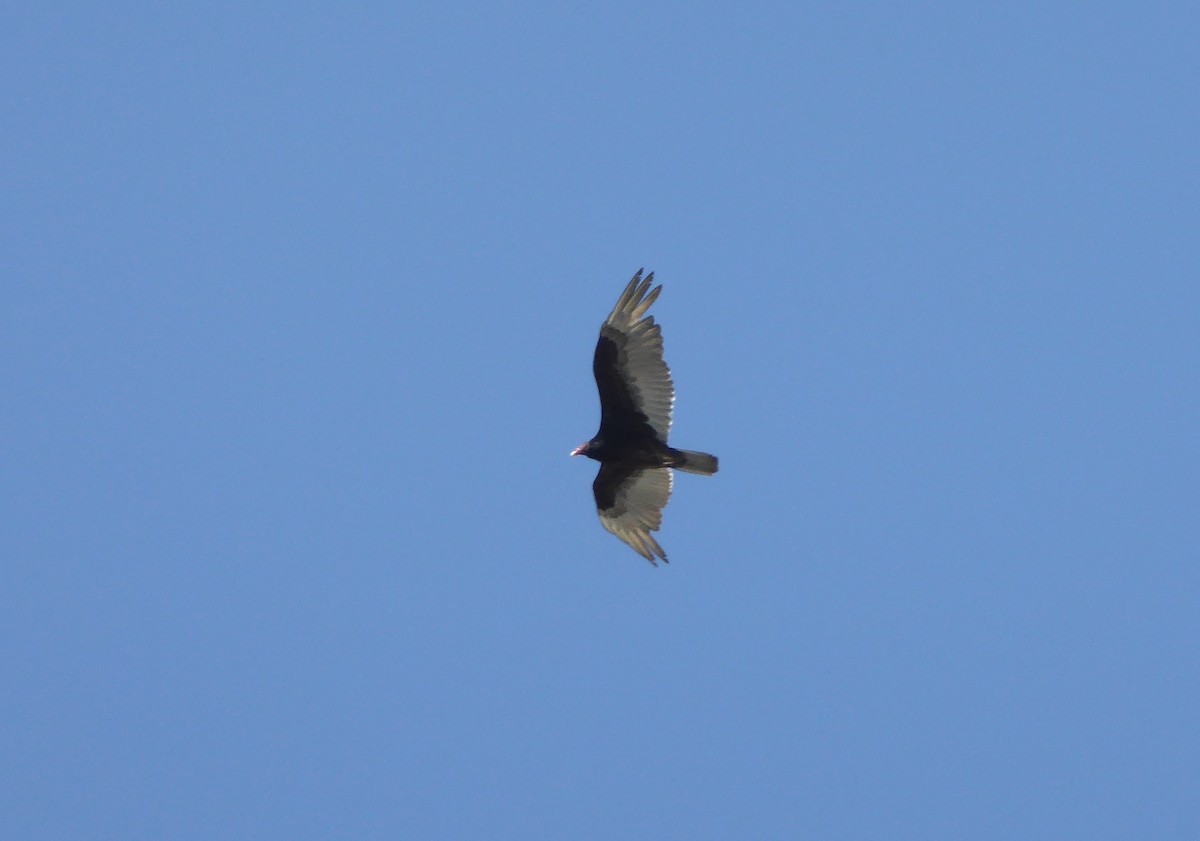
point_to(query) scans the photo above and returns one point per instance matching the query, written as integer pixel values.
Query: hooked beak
(580, 450)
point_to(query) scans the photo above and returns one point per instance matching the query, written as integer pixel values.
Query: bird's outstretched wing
(631, 374)
(630, 503)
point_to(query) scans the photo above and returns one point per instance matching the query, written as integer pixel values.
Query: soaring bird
(636, 397)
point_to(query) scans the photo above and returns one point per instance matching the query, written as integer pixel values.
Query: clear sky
(298, 307)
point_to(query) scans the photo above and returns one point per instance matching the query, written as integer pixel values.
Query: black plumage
(636, 400)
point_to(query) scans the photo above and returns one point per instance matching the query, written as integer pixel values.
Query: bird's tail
(693, 462)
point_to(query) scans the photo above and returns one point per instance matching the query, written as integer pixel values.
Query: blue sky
(297, 315)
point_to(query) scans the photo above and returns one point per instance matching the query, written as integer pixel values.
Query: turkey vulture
(636, 396)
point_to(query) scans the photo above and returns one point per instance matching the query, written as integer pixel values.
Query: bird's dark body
(636, 398)
(646, 453)
(617, 462)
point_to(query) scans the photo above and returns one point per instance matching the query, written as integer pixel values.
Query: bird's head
(582, 449)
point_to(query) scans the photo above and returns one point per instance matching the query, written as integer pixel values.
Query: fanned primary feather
(637, 397)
